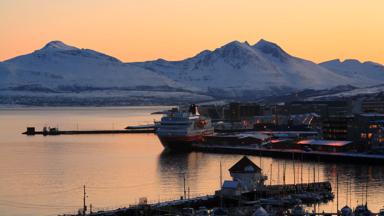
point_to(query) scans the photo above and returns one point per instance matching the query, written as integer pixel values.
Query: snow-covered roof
(230, 184)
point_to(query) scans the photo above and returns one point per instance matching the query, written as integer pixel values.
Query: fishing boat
(346, 211)
(178, 130)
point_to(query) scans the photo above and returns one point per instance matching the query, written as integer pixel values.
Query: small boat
(362, 210)
(346, 211)
(187, 212)
(50, 131)
(219, 212)
(202, 211)
(297, 211)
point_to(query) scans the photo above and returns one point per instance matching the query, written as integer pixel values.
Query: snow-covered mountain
(59, 74)
(367, 73)
(236, 71)
(58, 66)
(239, 68)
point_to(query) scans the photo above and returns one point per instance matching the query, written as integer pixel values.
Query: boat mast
(284, 167)
(337, 191)
(366, 191)
(270, 177)
(278, 172)
(301, 170)
(347, 196)
(185, 192)
(350, 192)
(221, 183)
(294, 169)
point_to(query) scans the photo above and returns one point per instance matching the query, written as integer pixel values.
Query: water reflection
(357, 177)
(121, 168)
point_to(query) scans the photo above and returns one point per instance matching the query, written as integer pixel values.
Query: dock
(54, 131)
(276, 193)
(290, 153)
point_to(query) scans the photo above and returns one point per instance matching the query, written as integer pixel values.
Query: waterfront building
(368, 131)
(323, 108)
(373, 105)
(337, 127)
(248, 174)
(298, 122)
(365, 130)
(241, 111)
(233, 112)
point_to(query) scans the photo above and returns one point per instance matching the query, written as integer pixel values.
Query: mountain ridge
(236, 70)
(262, 60)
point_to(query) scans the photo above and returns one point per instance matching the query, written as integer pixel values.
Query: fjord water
(44, 175)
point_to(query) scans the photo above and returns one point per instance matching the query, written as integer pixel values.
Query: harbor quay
(341, 157)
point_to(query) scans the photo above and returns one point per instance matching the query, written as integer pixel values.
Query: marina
(175, 207)
(246, 189)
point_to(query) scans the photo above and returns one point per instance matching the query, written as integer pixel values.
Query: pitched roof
(245, 166)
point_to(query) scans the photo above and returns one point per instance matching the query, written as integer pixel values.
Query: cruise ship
(178, 130)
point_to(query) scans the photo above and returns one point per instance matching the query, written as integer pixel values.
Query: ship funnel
(193, 109)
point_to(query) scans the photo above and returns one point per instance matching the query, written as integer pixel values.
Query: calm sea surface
(45, 175)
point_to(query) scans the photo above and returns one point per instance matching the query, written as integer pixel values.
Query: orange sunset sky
(138, 30)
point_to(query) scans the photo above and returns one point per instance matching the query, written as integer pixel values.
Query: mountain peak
(236, 50)
(236, 47)
(329, 62)
(57, 45)
(351, 61)
(265, 43)
(236, 43)
(270, 48)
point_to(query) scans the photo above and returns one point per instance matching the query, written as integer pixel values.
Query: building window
(369, 135)
(363, 136)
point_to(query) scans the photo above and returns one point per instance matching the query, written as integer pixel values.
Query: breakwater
(31, 132)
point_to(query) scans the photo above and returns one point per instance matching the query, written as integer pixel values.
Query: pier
(55, 131)
(287, 196)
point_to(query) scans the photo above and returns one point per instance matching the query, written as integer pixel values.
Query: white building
(248, 174)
